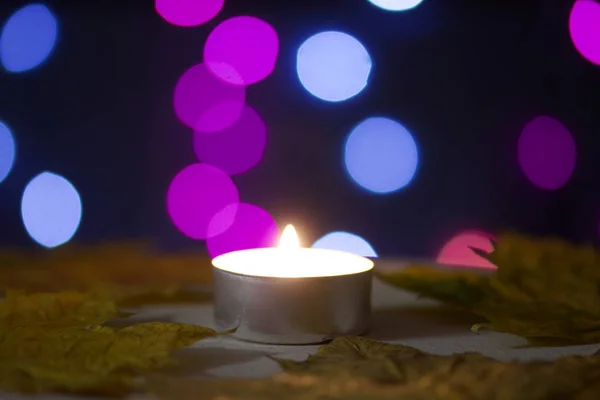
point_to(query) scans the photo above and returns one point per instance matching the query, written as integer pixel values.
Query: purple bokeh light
(547, 153)
(584, 25)
(198, 193)
(252, 228)
(188, 12)
(242, 50)
(235, 149)
(206, 103)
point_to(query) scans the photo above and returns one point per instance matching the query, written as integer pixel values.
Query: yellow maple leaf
(94, 359)
(543, 288)
(60, 309)
(129, 272)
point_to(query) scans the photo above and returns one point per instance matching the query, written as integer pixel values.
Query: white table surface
(394, 320)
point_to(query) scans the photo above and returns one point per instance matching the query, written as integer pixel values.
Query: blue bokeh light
(7, 151)
(51, 209)
(396, 5)
(333, 66)
(345, 241)
(28, 37)
(381, 155)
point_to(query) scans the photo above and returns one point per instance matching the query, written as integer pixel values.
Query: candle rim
(370, 264)
(312, 277)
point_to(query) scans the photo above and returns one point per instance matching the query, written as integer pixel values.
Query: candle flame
(289, 238)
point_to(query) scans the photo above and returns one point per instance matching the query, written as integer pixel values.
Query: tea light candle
(290, 294)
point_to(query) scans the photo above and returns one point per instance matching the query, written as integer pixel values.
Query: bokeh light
(235, 149)
(242, 50)
(345, 241)
(547, 153)
(196, 194)
(584, 25)
(188, 12)
(396, 5)
(7, 151)
(206, 103)
(252, 228)
(333, 66)
(51, 209)
(28, 37)
(381, 155)
(458, 250)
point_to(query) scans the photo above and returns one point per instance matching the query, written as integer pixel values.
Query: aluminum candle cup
(292, 295)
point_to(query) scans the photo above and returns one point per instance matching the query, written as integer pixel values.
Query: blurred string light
(458, 250)
(206, 103)
(584, 25)
(196, 194)
(242, 50)
(345, 241)
(28, 38)
(7, 151)
(188, 13)
(235, 149)
(51, 209)
(381, 155)
(252, 227)
(396, 5)
(333, 66)
(229, 138)
(547, 153)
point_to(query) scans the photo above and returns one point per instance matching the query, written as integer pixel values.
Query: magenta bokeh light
(584, 25)
(242, 50)
(252, 228)
(235, 149)
(458, 250)
(547, 153)
(206, 103)
(188, 12)
(198, 193)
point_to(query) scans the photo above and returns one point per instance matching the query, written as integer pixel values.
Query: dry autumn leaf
(95, 359)
(418, 375)
(543, 288)
(547, 270)
(358, 357)
(54, 342)
(281, 387)
(355, 368)
(128, 296)
(128, 272)
(55, 309)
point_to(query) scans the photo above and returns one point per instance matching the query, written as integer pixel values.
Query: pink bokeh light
(188, 13)
(242, 50)
(235, 149)
(547, 153)
(198, 193)
(457, 251)
(206, 103)
(252, 228)
(584, 25)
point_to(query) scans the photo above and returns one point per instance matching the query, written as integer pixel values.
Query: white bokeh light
(7, 151)
(381, 155)
(51, 209)
(396, 5)
(28, 38)
(333, 66)
(345, 241)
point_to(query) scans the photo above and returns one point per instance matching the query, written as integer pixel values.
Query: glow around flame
(289, 238)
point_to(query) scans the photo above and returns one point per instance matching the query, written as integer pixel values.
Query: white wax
(292, 262)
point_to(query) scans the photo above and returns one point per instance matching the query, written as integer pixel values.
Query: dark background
(463, 76)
